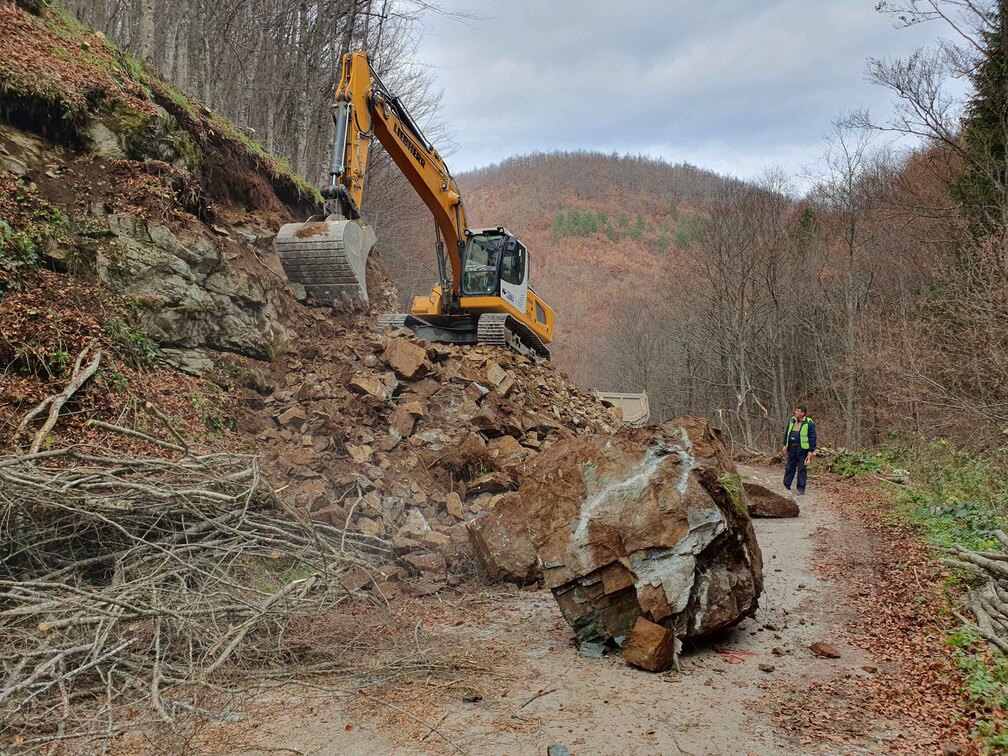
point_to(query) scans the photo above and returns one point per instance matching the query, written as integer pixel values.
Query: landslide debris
(406, 441)
(143, 221)
(638, 536)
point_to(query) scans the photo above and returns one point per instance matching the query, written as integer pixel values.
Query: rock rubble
(407, 441)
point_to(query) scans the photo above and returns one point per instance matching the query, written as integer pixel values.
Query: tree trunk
(145, 32)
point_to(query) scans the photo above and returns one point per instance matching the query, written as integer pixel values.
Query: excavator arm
(363, 109)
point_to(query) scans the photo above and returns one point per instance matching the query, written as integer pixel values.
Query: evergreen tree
(983, 188)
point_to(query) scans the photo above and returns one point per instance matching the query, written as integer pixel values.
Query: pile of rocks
(406, 441)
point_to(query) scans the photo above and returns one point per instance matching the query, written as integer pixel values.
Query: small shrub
(985, 683)
(27, 224)
(57, 363)
(134, 346)
(958, 497)
(855, 464)
(214, 421)
(17, 246)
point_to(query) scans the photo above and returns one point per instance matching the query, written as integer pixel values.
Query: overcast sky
(730, 85)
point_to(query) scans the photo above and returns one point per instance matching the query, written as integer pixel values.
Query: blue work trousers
(796, 463)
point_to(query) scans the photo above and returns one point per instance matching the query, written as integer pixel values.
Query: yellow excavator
(482, 295)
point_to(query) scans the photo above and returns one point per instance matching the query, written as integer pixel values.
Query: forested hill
(734, 298)
(594, 176)
(598, 226)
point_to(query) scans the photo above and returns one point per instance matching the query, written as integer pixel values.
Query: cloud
(732, 86)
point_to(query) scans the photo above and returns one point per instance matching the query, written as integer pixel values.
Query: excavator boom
(482, 294)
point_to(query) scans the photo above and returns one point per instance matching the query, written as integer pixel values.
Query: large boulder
(639, 524)
(762, 502)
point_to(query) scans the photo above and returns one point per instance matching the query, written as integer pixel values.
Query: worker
(799, 447)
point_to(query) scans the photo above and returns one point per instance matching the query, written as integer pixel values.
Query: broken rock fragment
(402, 421)
(379, 388)
(453, 505)
(415, 525)
(633, 525)
(501, 544)
(292, 418)
(407, 359)
(495, 482)
(762, 502)
(824, 650)
(496, 374)
(651, 646)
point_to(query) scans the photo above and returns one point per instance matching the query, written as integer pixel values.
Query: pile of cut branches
(151, 584)
(988, 603)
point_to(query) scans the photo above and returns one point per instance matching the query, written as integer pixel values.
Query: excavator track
(502, 329)
(496, 329)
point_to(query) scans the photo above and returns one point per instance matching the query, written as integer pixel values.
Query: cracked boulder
(639, 525)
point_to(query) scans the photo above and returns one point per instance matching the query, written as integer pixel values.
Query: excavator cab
(495, 264)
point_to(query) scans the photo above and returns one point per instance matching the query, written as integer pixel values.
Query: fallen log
(989, 603)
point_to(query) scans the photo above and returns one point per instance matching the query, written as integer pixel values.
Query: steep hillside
(108, 175)
(598, 227)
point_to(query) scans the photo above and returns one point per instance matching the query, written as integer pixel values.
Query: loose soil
(525, 687)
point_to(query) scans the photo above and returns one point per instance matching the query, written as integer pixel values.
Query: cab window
(479, 273)
(513, 262)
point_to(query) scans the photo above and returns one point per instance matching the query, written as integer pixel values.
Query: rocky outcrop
(634, 525)
(762, 502)
(188, 296)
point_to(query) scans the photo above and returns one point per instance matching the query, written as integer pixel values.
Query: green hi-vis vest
(803, 433)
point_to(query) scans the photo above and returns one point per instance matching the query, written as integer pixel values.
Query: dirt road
(531, 689)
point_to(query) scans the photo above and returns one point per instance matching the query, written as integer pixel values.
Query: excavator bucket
(329, 258)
